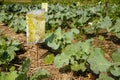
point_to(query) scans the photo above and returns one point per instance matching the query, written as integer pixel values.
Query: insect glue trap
(35, 26)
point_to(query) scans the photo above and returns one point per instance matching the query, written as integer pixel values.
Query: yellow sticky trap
(45, 6)
(35, 26)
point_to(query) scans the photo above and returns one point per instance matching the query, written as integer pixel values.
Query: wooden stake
(37, 57)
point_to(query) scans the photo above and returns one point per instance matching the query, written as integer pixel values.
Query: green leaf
(49, 59)
(9, 41)
(82, 66)
(53, 45)
(7, 50)
(77, 67)
(98, 63)
(86, 46)
(11, 53)
(116, 27)
(49, 37)
(76, 31)
(12, 68)
(15, 43)
(18, 23)
(104, 77)
(23, 70)
(106, 23)
(73, 50)
(8, 75)
(60, 39)
(1, 52)
(58, 33)
(22, 24)
(53, 40)
(13, 48)
(115, 71)
(61, 60)
(116, 59)
(75, 54)
(83, 19)
(40, 74)
(25, 66)
(68, 37)
(22, 76)
(118, 34)
(116, 56)
(101, 37)
(2, 43)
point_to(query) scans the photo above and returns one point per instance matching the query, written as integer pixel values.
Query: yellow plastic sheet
(35, 26)
(45, 6)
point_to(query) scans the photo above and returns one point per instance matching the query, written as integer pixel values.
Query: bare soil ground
(36, 54)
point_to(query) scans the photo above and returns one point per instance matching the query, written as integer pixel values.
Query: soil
(36, 54)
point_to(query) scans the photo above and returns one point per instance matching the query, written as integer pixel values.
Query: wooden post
(37, 56)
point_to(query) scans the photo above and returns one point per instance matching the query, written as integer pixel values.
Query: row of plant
(64, 24)
(13, 15)
(96, 17)
(63, 2)
(81, 56)
(68, 24)
(11, 68)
